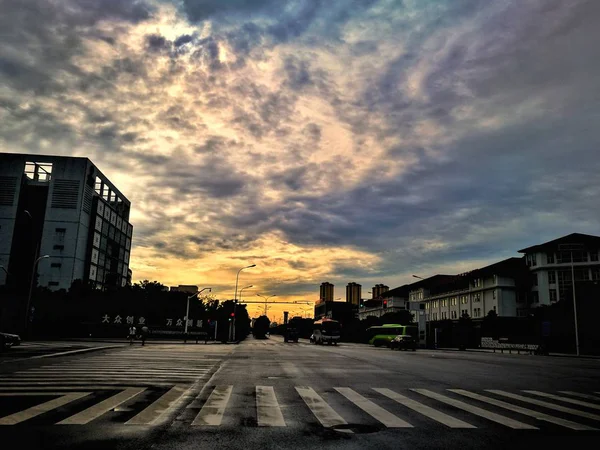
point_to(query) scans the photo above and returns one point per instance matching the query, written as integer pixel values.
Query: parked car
(8, 340)
(404, 342)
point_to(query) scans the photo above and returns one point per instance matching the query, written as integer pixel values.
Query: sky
(322, 140)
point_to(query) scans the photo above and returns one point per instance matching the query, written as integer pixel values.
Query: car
(291, 335)
(8, 340)
(403, 342)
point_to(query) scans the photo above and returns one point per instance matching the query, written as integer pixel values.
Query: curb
(69, 352)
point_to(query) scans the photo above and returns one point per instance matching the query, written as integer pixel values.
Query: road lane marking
(577, 394)
(214, 408)
(524, 411)
(374, 410)
(476, 410)
(427, 411)
(564, 399)
(79, 385)
(267, 408)
(13, 390)
(103, 407)
(534, 401)
(156, 408)
(34, 411)
(319, 407)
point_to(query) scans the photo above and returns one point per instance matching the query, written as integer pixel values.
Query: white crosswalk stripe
(527, 412)
(214, 408)
(34, 411)
(335, 412)
(267, 408)
(564, 399)
(322, 411)
(424, 409)
(384, 416)
(580, 395)
(548, 405)
(502, 420)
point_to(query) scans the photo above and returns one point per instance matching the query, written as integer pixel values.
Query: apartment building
(66, 212)
(554, 263)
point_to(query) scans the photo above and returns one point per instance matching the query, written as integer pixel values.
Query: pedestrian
(132, 332)
(144, 334)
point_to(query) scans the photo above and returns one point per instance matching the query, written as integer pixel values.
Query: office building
(553, 264)
(326, 292)
(64, 210)
(378, 290)
(353, 293)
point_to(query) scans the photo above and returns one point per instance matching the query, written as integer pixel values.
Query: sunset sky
(322, 140)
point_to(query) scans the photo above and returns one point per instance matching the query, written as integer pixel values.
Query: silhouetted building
(550, 266)
(326, 292)
(67, 209)
(378, 290)
(341, 311)
(353, 293)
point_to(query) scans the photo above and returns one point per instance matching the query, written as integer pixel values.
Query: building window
(98, 223)
(38, 171)
(453, 301)
(444, 302)
(531, 260)
(534, 279)
(427, 305)
(463, 312)
(552, 277)
(59, 235)
(550, 258)
(582, 274)
(594, 256)
(476, 297)
(553, 296)
(463, 299)
(454, 314)
(595, 273)
(476, 282)
(494, 294)
(56, 265)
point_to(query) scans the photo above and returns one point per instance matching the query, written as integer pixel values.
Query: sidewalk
(514, 352)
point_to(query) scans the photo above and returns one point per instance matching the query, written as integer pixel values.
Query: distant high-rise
(379, 289)
(326, 292)
(353, 293)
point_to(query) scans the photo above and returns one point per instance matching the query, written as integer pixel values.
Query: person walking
(132, 333)
(144, 334)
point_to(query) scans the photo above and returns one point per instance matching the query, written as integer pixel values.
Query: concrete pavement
(267, 394)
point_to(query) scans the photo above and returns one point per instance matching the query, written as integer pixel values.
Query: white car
(8, 340)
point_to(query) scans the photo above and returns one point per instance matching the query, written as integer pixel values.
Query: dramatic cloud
(322, 140)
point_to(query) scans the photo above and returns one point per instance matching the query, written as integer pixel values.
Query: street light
(570, 248)
(266, 299)
(235, 298)
(31, 287)
(242, 290)
(187, 308)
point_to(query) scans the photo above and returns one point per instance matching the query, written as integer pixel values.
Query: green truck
(384, 334)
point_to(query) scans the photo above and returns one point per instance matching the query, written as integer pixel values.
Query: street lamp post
(31, 288)
(266, 299)
(187, 308)
(235, 298)
(570, 248)
(242, 290)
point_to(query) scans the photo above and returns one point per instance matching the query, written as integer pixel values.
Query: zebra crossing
(100, 385)
(387, 408)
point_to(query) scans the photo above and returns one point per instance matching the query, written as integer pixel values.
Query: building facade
(326, 292)
(353, 293)
(65, 208)
(554, 263)
(378, 290)
(501, 287)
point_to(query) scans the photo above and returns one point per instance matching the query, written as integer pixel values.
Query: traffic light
(231, 316)
(385, 304)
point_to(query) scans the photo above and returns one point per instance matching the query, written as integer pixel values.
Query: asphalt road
(267, 394)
